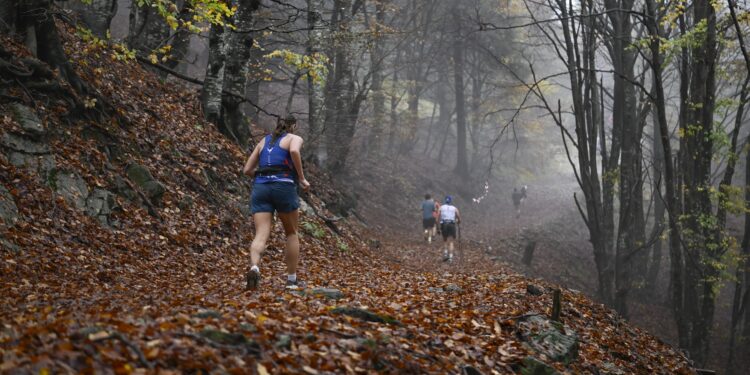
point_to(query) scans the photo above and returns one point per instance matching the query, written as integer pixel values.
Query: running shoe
(253, 279)
(294, 285)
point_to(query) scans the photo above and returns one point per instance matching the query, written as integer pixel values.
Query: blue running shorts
(274, 196)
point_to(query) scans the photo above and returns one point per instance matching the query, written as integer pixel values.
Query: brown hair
(283, 125)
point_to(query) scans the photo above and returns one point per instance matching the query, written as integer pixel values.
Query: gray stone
(244, 209)
(185, 203)
(453, 288)
(86, 332)
(8, 208)
(9, 245)
(533, 366)
(138, 174)
(24, 144)
(284, 342)
(610, 368)
(41, 165)
(305, 208)
(122, 188)
(534, 290)
(555, 340)
(435, 290)
(469, 370)
(100, 204)
(204, 314)
(329, 293)
(28, 119)
(141, 177)
(72, 187)
(26, 153)
(248, 327)
(154, 190)
(224, 338)
(365, 315)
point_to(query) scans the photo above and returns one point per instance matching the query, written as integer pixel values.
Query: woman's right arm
(295, 148)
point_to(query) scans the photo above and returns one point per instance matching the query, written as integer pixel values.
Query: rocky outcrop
(100, 204)
(28, 120)
(72, 187)
(549, 339)
(27, 149)
(8, 209)
(142, 178)
(97, 203)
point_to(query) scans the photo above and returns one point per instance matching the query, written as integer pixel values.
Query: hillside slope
(125, 239)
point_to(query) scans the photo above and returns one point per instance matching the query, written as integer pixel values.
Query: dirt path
(491, 237)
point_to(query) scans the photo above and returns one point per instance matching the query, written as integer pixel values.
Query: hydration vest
(275, 164)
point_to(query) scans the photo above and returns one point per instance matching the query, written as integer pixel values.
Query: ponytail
(283, 125)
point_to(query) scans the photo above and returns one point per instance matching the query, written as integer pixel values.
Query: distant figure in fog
(436, 215)
(518, 196)
(428, 217)
(450, 217)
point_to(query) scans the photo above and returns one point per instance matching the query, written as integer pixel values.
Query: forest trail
(155, 284)
(491, 238)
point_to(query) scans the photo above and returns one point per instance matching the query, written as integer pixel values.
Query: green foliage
(89, 38)
(214, 12)
(342, 246)
(94, 44)
(313, 229)
(315, 65)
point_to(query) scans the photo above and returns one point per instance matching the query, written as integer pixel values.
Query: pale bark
(238, 44)
(96, 16)
(148, 31)
(212, 86)
(180, 41)
(314, 89)
(462, 166)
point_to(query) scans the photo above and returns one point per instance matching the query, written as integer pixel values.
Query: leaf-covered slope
(155, 282)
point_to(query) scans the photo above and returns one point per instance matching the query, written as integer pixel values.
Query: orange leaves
(172, 288)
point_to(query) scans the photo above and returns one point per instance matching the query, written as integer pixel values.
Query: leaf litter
(163, 293)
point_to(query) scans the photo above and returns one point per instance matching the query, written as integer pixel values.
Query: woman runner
(279, 170)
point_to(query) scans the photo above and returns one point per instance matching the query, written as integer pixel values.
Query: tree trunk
(148, 31)
(740, 308)
(8, 15)
(702, 236)
(315, 99)
(444, 116)
(476, 101)
(238, 45)
(96, 15)
(659, 208)
(462, 167)
(670, 177)
(629, 253)
(35, 18)
(214, 82)
(339, 126)
(180, 41)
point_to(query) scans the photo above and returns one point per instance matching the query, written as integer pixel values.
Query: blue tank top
(272, 155)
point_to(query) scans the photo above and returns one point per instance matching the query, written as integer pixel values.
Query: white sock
(292, 277)
(255, 268)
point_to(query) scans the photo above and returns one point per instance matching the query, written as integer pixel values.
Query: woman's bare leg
(262, 232)
(289, 221)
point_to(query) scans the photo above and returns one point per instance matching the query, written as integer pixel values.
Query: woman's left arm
(252, 161)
